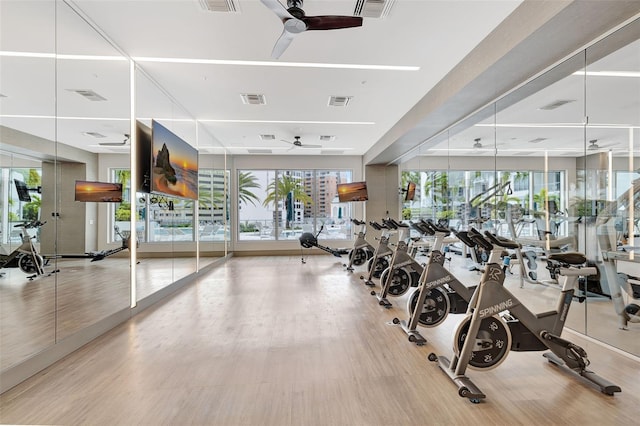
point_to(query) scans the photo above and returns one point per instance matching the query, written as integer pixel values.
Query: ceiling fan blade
(281, 45)
(330, 22)
(277, 8)
(310, 146)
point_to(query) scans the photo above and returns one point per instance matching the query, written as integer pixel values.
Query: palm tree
(280, 187)
(246, 181)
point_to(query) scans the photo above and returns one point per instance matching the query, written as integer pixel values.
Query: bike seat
(572, 258)
(501, 241)
(464, 237)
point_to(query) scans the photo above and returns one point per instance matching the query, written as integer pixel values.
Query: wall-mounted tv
(355, 191)
(99, 192)
(174, 168)
(23, 191)
(143, 155)
(410, 192)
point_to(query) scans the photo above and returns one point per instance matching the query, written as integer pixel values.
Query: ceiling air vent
(327, 138)
(537, 140)
(219, 5)
(94, 134)
(259, 151)
(252, 99)
(556, 104)
(373, 8)
(88, 94)
(339, 101)
(268, 137)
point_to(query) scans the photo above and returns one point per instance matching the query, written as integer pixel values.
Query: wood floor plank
(272, 341)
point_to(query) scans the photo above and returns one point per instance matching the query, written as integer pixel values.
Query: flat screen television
(410, 192)
(174, 168)
(143, 155)
(355, 191)
(99, 192)
(23, 190)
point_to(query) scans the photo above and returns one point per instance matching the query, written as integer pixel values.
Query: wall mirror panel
(166, 188)
(27, 143)
(213, 199)
(611, 187)
(553, 165)
(93, 121)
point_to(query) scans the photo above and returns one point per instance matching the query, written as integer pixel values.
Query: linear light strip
(276, 64)
(634, 74)
(288, 122)
(62, 56)
(190, 120)
(560, 125)
(211, 61)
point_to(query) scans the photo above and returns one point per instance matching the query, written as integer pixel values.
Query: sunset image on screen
(100, 192)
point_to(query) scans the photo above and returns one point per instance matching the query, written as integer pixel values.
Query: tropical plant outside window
(482, 198)
(16, 211)
(282, 204)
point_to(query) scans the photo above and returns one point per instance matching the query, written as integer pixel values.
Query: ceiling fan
(295, 22)
(477, 144)
(124, 142)
(593, 145)
(297, 143)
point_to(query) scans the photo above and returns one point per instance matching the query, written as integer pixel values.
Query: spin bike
(26, 256)
(362, 250)
(439, 292)
(403, 269)
(380, 260)
(518, 329)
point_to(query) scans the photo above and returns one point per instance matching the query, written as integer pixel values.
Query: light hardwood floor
(271, 341)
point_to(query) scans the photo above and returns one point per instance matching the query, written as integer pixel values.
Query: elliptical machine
(362, 250)
(521, 331)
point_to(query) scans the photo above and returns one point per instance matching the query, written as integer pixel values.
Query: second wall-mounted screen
(174, 164)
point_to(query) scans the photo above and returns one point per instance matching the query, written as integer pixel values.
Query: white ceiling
(430, 35)
(189, 42)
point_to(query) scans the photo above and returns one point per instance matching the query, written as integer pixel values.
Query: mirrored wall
(72, 208)
(554, 166)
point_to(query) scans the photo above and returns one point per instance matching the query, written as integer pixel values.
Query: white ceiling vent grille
(219, 5)
(259, 151)
(537, 140)
(340, 101)
(94, 134)
(556, 104)
(88, 94)
(327, 138)
(268, 137)
(253, 99)
(373, 8)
